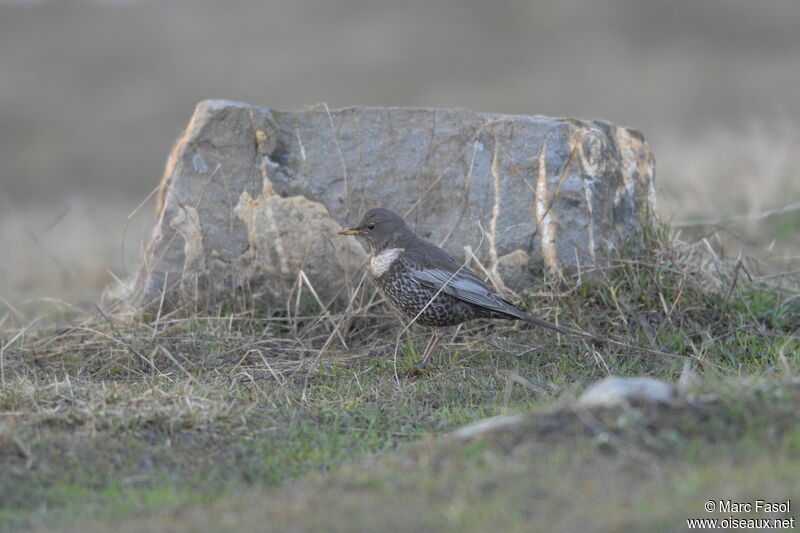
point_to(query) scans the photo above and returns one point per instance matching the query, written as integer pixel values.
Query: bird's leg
(426, 356)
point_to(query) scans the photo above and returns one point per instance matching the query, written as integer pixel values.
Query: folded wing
(466, 286)
(458, 281)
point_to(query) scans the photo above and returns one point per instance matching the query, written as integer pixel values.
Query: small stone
(487, 425)
(615, 390)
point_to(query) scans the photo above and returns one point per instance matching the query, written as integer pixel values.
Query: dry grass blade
(121, 340)
(325, 313)
(127, 223)
(19, 335)
(719, 223)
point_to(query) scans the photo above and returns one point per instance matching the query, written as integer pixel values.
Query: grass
(562, 469)
(228, 421)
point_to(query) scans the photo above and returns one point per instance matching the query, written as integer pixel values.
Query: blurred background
(93, 94)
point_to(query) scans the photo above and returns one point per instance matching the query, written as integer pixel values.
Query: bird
(427, 285)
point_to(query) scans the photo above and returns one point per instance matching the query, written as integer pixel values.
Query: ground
(218, 422)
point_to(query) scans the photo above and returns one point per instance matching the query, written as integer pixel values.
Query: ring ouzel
(426, 284)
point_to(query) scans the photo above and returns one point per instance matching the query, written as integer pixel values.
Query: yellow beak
(352, 231)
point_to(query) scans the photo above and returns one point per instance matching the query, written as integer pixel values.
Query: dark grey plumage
(426, 284)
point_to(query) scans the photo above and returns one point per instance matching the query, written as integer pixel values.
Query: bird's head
(383, 229)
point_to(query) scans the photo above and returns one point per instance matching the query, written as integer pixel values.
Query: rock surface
(615, 390)
(251, 196)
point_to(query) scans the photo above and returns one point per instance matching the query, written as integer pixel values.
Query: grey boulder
(252, 198)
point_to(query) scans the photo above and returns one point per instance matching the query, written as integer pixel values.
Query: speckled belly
(410, 297)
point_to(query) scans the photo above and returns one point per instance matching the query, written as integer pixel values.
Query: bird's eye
(371, 225)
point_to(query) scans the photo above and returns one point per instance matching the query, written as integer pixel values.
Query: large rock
(251, 196)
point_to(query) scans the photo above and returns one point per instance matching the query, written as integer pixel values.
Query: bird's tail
(545, 324)
(516, 313)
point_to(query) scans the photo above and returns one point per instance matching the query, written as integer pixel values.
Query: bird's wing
(461, 284)
(441, 272)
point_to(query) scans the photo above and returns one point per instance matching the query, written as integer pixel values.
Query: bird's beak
(352, 231)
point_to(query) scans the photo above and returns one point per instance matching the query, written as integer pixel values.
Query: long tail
(545, 324)
(513, 312)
